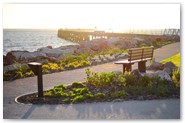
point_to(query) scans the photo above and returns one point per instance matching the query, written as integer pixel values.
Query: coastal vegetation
(108, 86)
(75, 61)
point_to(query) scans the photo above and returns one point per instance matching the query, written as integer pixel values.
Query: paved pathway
(12, 89)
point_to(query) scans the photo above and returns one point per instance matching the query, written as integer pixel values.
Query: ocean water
(30, 40)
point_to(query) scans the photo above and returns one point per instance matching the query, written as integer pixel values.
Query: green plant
(176, 77)
(66, 100)
(78, 85)
(19, 74)
(99, 96)
(101, 80)
(129, 79)
(118, 94)
(145, 80)
(81, 91)
(29, 73)
(78, 99)
(48, 93)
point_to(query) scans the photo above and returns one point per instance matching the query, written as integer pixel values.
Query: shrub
(48, 93)
(118, 94)
(145, 80)
(51, 67)
(66, 100)
(129, 79)
(101, 80)
(99, 96)
(61, 86)
(81, 91)
(78, 99)
(19, 74)
(176, 77)
(29, 73)
(78, 85)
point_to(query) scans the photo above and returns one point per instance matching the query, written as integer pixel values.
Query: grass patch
(175, 59)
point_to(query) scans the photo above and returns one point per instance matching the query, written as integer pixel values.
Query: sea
(30, 39)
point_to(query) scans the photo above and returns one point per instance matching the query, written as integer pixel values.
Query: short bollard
(37, 69)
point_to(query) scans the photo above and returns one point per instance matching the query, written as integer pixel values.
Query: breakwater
(77, 35)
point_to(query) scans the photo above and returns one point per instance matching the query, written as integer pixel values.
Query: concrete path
(12, 89)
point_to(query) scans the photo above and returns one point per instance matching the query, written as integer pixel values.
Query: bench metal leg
(142, 66)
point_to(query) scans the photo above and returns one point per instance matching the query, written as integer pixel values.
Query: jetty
(77, 35)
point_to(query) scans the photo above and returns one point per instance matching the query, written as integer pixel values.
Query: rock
(162, 74)
(14, 67)
(44, 48)
(51, 59)
(140, 98)
(109, 57)
(122, 56)
(136, 74)
(31, 56)
(71, 46)
(15, 55)
(24, 56)
(95, 58)
(116, 55)
(156, 66)
(167, 70)
(51, 52)
(7, 60)
(10, 68)
(123, 42)
(42, 61)
(170, 65)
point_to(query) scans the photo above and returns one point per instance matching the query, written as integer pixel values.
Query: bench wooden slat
(140, 55)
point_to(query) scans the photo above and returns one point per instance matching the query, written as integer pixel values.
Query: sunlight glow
(101, 16)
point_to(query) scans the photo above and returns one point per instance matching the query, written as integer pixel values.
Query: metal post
(40, 82)
(37, 69)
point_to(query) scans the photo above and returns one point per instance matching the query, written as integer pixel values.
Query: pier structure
(77, 35)
(175, 32)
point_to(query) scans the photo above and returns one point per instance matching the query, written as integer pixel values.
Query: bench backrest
(140, 53)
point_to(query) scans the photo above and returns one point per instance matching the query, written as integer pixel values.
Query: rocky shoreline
(14, 59)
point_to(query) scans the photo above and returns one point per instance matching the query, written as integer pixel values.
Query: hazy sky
(102, 16)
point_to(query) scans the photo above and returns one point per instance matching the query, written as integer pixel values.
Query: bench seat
(140, 55)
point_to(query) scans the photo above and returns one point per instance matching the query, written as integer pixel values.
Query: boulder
(24, 56)
(123, 42)
(162, 74)
(51, 52)
(93, 45)
(7, 60)
(10, 68)
(71, 46)
(15, 55)
(14, 67)
(167, 70)
(170, 65)
(32, 56)
(156, 66)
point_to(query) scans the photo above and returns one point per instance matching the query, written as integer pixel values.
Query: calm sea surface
(30, 40)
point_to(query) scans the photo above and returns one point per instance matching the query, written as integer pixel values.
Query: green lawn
(175, 59)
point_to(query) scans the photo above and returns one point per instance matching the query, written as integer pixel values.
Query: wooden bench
(140, 55)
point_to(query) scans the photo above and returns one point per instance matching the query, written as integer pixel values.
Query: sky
(100, 16)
